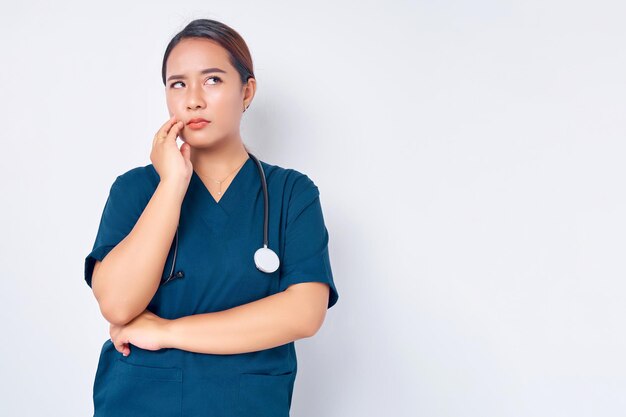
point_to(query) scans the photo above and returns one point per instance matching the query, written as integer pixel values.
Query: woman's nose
(194, 98)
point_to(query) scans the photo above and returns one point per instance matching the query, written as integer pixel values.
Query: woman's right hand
(171, 163)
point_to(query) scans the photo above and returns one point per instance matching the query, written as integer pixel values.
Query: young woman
(205, 290)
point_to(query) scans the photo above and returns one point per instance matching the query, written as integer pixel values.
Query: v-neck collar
(216, 213)
(233, 184)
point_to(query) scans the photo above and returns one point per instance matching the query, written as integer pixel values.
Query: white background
(470, 159)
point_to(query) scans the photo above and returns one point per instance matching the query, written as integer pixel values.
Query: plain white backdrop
(470, 161)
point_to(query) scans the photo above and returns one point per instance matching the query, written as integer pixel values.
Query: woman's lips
(197, 125)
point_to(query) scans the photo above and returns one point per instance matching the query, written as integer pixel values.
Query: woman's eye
(216, 78)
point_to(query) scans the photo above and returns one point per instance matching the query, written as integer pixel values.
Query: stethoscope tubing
(265, 200)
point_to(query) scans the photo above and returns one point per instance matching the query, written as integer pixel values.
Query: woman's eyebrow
(204, 71)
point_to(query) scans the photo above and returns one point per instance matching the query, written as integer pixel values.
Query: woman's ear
(249, 89)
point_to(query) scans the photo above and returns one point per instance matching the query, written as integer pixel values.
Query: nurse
(197, 327)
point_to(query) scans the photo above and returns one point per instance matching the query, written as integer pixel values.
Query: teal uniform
(217, 241)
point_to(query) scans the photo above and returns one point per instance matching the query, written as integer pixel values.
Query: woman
(197, 328)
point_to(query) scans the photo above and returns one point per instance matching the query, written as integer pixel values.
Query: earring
(245, 108)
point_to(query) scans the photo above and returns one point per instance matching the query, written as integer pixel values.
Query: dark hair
(225, 36)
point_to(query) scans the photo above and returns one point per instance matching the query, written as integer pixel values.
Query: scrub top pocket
(145, 391)
(217, 242)
(262, 395)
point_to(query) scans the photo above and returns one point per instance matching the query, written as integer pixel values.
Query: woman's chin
(194, 138)
(198, 141)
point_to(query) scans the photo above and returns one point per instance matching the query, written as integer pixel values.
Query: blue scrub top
(217, 241)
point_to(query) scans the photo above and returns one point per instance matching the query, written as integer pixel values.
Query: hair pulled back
(225, 36)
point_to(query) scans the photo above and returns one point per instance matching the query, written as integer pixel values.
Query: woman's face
(216, 95)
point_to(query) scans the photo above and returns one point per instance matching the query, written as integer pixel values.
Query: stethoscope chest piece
(266, 260)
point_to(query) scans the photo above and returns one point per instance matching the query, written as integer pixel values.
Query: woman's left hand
(146, 331)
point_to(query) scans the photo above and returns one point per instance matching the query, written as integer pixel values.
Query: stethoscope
(265, 259)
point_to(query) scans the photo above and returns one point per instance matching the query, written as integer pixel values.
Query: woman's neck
(218, 163)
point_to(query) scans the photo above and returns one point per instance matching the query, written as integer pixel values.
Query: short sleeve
(122, 209)
(305, 257)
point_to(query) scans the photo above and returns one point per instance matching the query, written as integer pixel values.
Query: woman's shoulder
(297, 189)
(290, 179)
(142, 179)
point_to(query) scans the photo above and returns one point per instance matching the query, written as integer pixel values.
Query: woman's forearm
(129, 275)
(266, 323)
